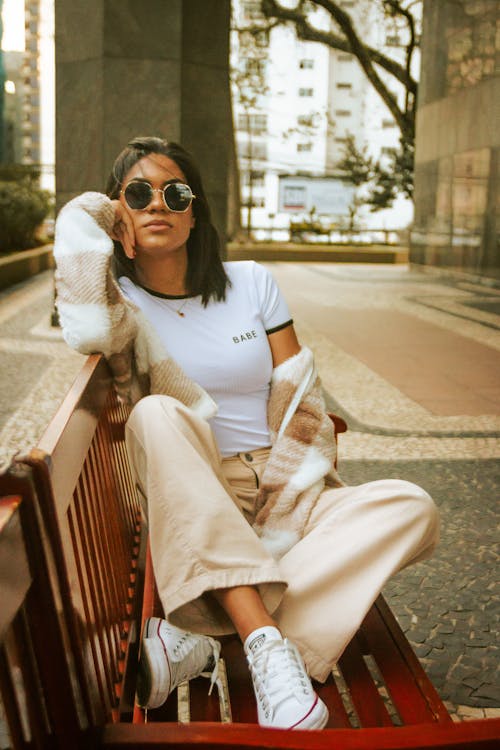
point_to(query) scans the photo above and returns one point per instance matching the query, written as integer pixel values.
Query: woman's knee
(423, 508)
(151, 407)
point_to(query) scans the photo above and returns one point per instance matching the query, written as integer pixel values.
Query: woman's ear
(193, 221)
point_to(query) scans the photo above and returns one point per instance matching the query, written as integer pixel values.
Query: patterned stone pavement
(411, 360)
(377, 333)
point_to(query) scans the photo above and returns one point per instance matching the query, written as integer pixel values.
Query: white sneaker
(170, 656)
(285, 696)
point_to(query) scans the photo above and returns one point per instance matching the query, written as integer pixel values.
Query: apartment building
(311, 99)
(12, 147)
(31, 85)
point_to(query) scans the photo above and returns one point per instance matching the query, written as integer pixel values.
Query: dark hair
(205, 273)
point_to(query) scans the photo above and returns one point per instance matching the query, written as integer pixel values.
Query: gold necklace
(179, 309)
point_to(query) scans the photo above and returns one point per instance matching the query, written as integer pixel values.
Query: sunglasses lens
(138, 194)
(178, 196)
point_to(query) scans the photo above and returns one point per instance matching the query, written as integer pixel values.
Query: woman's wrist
(98, 206)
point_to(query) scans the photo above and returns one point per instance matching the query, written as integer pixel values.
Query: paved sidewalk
(412, 361)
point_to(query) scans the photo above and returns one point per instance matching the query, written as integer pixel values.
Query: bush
(23, 207)
(15, 172)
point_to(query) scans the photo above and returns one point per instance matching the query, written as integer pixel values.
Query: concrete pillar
(154, 67)
(458, 140)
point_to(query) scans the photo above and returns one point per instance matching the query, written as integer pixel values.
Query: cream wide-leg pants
(199, 510)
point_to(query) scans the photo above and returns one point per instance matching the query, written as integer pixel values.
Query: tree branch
(399, 10)
(365, 55)
(310, 34)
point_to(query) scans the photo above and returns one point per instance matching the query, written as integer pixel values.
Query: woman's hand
(123, 229)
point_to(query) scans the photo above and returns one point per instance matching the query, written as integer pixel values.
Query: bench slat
(366, 699)
(433, 700)
(92, 620)
(329, 693)
(410, 689)
(470, 735)
(37, 687)
(15, 574)
(107, 590)
(25, 660)
(8, 695)
(92, 517)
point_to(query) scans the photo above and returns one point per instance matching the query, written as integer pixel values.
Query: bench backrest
(81, 484)
(36, 685)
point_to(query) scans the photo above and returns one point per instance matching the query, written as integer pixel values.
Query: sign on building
(327, 196)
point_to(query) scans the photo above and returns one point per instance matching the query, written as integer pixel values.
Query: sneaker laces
(277, 672)
(188, 651)
(214, 674)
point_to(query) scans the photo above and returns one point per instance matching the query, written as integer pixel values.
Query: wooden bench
(76, 581)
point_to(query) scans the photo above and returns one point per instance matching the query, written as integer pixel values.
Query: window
(344, 85)
(306, 92)
(256, 123)
(388, 124)
(261, 38)
(307, 121)
(258, 150)
(304, 147)
(348, 4)
(393, 40)
(258, 178)
(256, 202)
(253, 66)
(343, 113)
(343, 57)
(387, 151)
(340, 140)
(306, 64)
(259, 123)
(10, 87)
(251, 10)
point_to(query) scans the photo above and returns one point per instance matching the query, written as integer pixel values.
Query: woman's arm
(93, 313)
(284, 344)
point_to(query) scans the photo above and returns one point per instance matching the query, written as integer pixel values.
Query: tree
(383, 180)
(249, 83)
(343, 36)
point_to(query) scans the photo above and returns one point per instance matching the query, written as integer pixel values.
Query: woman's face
(158, 230)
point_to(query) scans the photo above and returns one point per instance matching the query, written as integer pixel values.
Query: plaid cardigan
(96, 317)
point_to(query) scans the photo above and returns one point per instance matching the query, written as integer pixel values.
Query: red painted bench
(77, 582)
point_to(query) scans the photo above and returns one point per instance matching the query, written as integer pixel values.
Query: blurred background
(358, 121)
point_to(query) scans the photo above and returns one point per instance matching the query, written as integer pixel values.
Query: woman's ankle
(244, 606)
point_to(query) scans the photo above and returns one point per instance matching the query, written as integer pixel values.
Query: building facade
(309, 100)
(31, 153)
(20, 141)
(12, 107)
(458, 138)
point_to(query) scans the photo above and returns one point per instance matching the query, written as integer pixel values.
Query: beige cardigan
(96, 317)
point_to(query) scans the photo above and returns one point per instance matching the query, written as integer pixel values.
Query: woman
(251, 528)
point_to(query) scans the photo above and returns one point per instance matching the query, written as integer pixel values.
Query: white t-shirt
(224, 347)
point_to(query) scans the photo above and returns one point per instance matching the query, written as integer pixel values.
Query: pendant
(181, 314)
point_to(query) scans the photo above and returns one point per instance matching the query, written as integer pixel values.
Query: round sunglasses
(177, 196)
